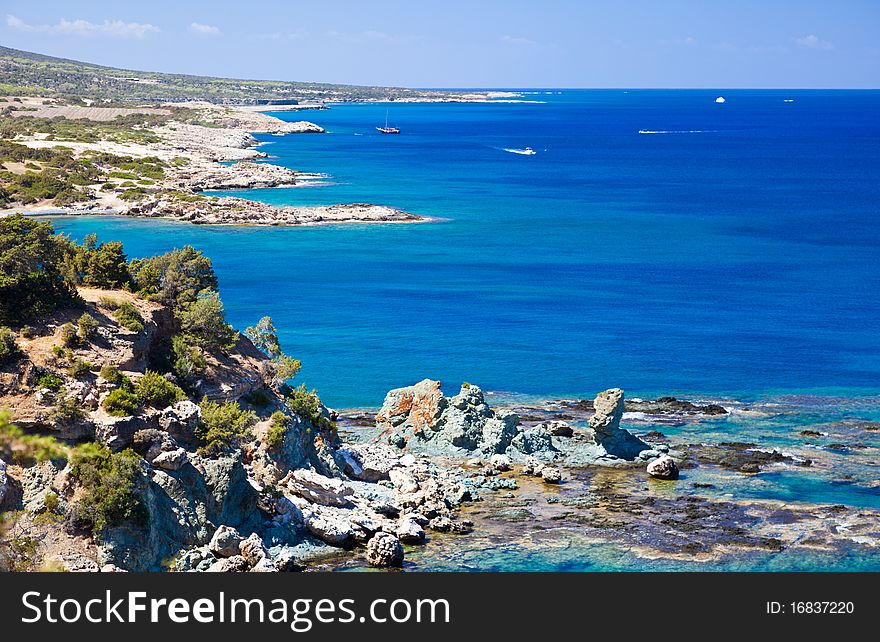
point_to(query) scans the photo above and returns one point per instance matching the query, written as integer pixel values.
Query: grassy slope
(29, 73)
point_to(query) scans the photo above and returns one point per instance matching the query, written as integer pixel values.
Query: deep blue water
(738, 259)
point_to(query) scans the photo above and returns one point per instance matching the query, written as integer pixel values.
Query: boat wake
(677, 131)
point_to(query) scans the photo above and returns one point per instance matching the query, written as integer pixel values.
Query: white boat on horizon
(527, 151)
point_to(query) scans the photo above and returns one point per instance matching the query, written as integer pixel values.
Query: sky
(475, 43)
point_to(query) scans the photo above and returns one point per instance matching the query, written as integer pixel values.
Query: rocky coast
(195, 147)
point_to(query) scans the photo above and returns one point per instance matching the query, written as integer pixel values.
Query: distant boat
(788, 100)
(720, 99)
(528, 151)
(386, 129)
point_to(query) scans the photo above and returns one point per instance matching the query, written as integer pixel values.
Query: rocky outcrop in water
(663, 468)
(421, 417)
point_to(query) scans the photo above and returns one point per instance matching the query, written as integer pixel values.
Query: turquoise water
(739, 259)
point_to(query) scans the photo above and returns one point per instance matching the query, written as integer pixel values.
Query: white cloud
(79, 27)
(518, 40)
(689, 41)
(813, 42)
(204, 30)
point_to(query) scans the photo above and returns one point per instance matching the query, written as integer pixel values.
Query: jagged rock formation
(421, 417)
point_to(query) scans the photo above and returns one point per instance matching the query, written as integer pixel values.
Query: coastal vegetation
(28, 73)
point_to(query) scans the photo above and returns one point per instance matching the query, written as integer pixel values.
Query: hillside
(23, 72)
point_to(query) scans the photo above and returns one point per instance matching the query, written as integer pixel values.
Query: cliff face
(239, 473)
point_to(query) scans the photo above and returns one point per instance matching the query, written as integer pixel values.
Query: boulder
(607, 432)
(330, 528)
(413, 410)
(384, 550)
(557, 428)
(171, 460)
(409, 531)
(663, 468)
(253, 550)
(180, 420)
(369, 462)
(501, 463)
(234, 564)
(226, 542)
(551, 474)
(317, 488)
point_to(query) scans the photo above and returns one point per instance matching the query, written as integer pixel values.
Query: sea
(657, 241)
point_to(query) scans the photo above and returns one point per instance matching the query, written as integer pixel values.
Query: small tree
(204, 322)
(86, 327)
(223, 425)
(155, 390)
(265, 337)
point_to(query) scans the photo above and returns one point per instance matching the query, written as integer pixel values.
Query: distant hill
(32, 73)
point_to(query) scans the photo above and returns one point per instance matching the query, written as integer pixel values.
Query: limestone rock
(551, 474)
(317, 488)
(226, 542)
(557, 428)
(501, 463)
(607, 432)
(368, 462)
(409, 531)
(234, 564)
(180, 420)
(171, 460)
(413, 410)
(252, 549)
(663, 468)
(384, 550)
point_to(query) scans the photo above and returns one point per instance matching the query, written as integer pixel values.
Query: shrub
(155, 390)
(69, 335)
(265, 337)
(27, 332)
(66, 412)
(121, 403)
(307, 405)
(128, 317)
(86, 327)
(110, 482)
(79, 368)
(204, 322)
(188, 361)
(222, 426)
(48, 380)
(110, 373)
(109, 302)
(8, 347)
(276, 432)
(259, 398)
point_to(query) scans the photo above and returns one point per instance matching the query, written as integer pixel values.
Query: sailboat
(386, 129)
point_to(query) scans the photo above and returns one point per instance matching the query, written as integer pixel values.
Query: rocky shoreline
(219, 152)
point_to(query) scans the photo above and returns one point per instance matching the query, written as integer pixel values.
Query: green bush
(111, 483)
(222, 427)
(307, 405)
(86, 327)
(155, 390)
(27, 332)
(8, 347)
(105, 266)
(276, 432)
(265, 337)
(128, 317)
(79, 368)
(204, 322)
(188, 361)
(259, 398)
(121, 403)
(48, 380)
(110, 373)
(67, 412)
(69, 335)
